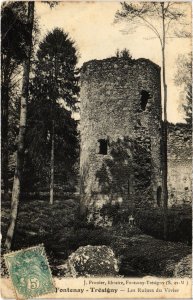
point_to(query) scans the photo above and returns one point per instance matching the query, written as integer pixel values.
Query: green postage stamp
(30, 272)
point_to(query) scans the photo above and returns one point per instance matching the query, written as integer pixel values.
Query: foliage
(52, 4)
(15, 36)
(14, 29)
(54, 91)
(38, 145)
(145, 13)
(56, 69)
(183, 78)
(22, 128)
(125, 53)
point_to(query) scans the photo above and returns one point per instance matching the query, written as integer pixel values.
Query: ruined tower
(120, 161)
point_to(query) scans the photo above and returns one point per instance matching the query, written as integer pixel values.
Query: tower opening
(102, 146)
(145, 96)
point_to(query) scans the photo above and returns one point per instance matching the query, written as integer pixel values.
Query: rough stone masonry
(180, 165)
(120, 160)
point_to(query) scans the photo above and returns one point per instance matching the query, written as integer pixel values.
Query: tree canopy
(146, 13)
(53, 97)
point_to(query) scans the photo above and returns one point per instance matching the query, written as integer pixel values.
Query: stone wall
(121, 105)
(179, 165)
(179, 224)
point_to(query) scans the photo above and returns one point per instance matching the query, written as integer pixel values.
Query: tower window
(102, 146)
(145, 96)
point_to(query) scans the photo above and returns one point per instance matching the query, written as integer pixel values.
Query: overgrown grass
(58, 228)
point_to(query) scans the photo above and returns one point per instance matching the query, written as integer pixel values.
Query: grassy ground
(56, 226)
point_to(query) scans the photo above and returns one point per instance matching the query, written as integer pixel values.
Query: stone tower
(120, 161)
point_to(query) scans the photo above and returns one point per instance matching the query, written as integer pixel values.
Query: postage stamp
(30, 272)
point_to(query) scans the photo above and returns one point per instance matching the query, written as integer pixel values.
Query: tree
(167, 14)
(14, 35)
(183, 78)
(125, 53)
(27, 16)
(38, 146)
(55, 85)
(22, 128)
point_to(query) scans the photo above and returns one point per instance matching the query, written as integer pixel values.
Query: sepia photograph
(96, 149)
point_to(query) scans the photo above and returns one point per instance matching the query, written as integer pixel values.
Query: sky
(90, 24)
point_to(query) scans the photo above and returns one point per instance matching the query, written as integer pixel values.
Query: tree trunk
(4, 139)
(53, 133)
(22, 129)
(4, 118)
(164, 134)
(52, 167)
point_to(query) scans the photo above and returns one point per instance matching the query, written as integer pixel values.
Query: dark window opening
(145, 96)
(159, 193)
(103, 147)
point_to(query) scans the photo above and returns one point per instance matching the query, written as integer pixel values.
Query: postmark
(30, 272)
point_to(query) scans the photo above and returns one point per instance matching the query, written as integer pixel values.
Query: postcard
(96, 164)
